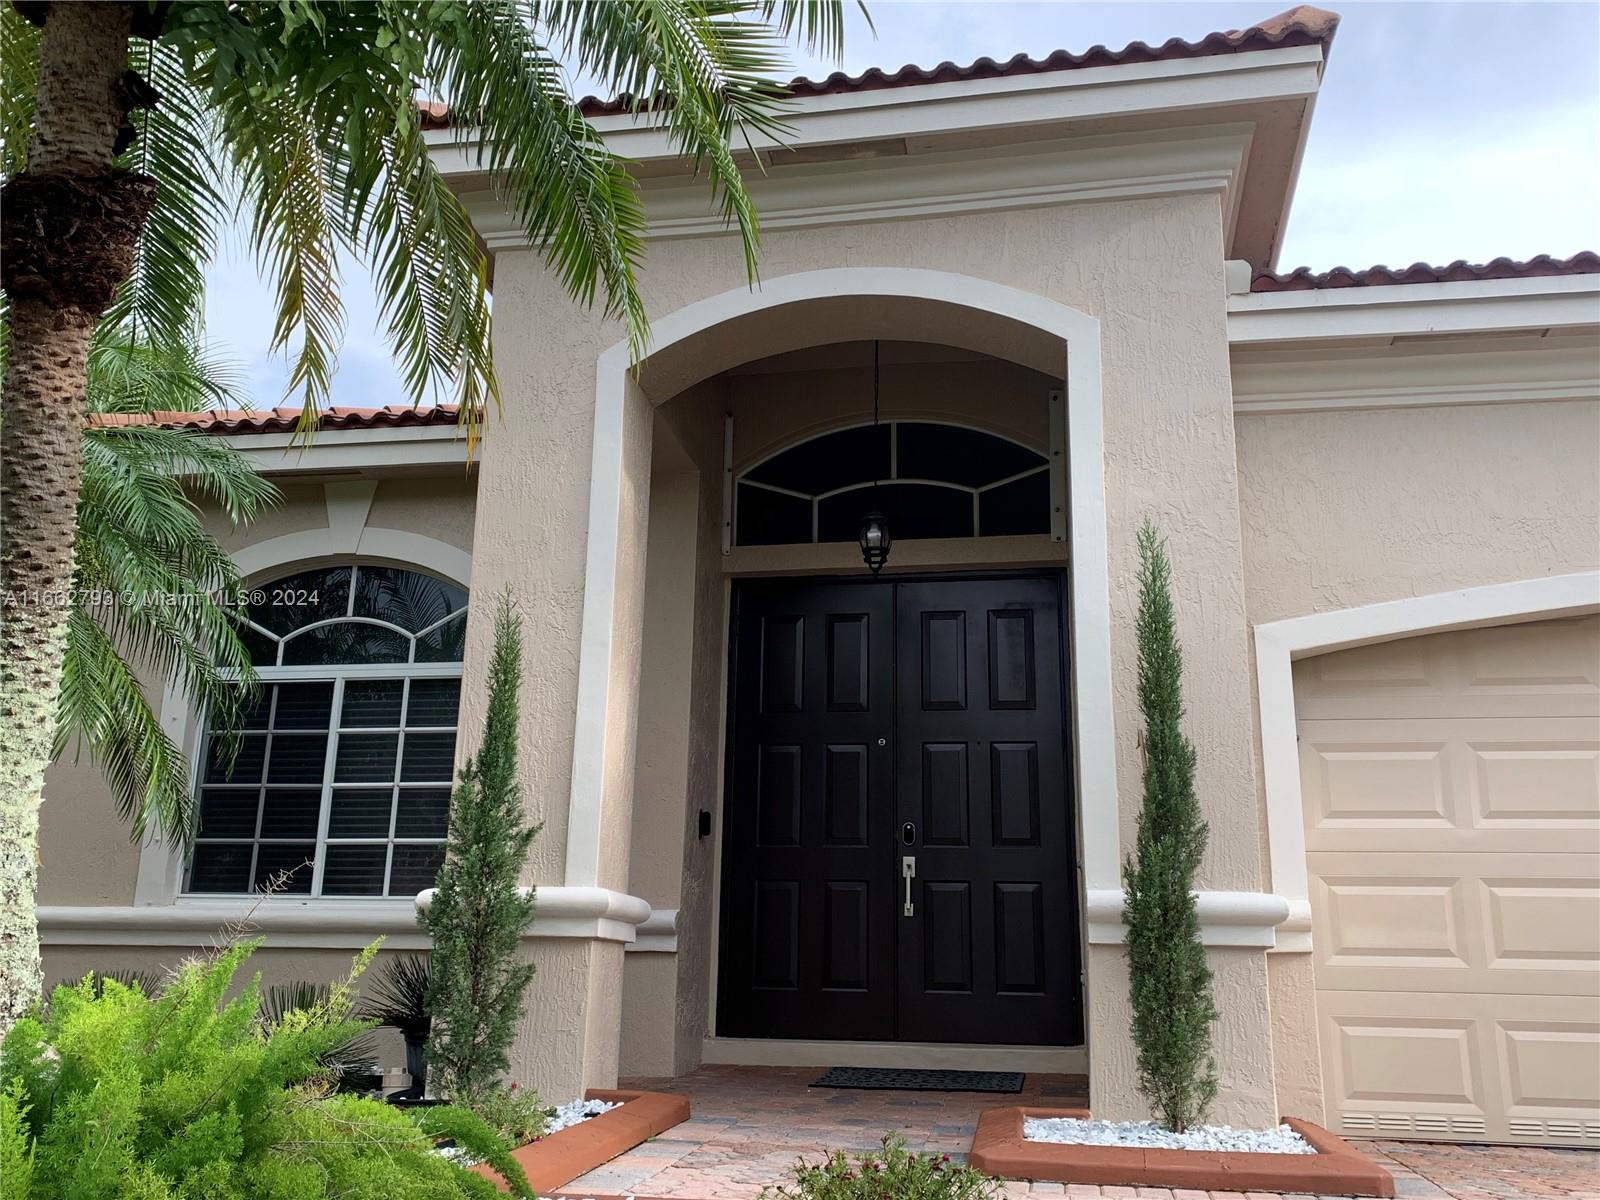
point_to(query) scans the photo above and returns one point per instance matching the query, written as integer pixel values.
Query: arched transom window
(931, 480)
(343, 770)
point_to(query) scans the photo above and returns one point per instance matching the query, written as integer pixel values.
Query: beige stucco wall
(1151, 271)
(1342, 509)
(86, 857)
(1348, 508)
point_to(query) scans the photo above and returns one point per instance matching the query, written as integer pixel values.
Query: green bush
(109, 1094)
(891, 1174)
(516, 1113)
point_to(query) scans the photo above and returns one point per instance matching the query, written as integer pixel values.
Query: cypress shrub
(1169, 981)
(479, 913)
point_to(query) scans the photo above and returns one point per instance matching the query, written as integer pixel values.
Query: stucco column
(1171, 456)
(538, 503)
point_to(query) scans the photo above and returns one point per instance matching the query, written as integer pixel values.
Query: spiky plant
(1168, 979)
(478, 913)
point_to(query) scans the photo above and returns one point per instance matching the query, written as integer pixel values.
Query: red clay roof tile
(1304, 279)
(283, 420)
(1304, 25)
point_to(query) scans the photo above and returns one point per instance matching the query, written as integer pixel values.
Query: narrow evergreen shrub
(478, 913)
(1169, 981)
(109, 1094)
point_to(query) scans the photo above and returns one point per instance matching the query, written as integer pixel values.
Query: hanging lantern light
(875, 540)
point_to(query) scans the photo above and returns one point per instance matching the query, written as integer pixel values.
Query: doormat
(896, 1079)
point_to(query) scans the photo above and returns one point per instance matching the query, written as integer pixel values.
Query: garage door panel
(1488, 1067)
(1509, 923)
(1451, 790)
(1489, 786)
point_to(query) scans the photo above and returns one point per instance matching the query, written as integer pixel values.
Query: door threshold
(781, 1052)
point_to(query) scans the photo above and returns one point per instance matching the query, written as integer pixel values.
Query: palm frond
(163, 299)
(284, 167)
(432, 276)
(573, 197)
(398, 994)
(103, 706)
(19, 74)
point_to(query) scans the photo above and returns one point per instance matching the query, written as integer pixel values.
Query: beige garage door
(1452, 806)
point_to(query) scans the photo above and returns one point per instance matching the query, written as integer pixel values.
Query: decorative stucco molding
(1079, 338)
(1226, 918)
(657, 934)
(1280, 643)
(561, 912)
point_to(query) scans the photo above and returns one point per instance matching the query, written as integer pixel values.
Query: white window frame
(337, 674)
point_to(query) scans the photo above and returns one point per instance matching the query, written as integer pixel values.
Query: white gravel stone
(577, 1110)
(1071, 1131)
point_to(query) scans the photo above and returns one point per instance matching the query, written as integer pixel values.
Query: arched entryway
(948, 315)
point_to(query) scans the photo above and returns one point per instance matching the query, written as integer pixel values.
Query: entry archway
(817, 307)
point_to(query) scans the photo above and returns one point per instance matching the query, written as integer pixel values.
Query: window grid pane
(393, 849)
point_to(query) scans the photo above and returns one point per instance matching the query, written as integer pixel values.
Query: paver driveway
(751, 1123)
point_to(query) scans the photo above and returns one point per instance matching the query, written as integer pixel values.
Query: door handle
(908, 872)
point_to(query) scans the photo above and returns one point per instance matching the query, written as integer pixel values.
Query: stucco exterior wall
(1348, 508)
(1151, 271)
(1342, 509)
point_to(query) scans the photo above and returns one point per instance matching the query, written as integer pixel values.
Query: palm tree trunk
(67, 235)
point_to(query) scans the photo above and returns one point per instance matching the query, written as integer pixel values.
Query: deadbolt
(883, 741)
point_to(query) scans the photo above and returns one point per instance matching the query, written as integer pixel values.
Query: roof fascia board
(1545, 302)
(1037, 174)
(925, 110)
(352, 449)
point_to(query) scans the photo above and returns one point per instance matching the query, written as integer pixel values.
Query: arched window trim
(893, 425)
(339, 675)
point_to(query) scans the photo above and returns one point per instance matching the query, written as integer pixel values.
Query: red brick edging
(560, 1158)
(1337, 1167)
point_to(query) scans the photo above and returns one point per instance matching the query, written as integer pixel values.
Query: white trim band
(561, 912)
(1226, 918)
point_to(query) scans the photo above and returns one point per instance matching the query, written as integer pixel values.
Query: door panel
(808, 880)
(989, 953)
(862, 709)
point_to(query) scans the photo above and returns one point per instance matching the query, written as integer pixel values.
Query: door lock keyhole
(908, 834)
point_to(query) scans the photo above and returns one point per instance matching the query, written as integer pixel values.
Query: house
(798, 812)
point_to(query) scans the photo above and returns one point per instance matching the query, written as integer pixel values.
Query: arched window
(930, 480)
(343, 772)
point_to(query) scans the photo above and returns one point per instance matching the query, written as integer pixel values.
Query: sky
(1443, 130)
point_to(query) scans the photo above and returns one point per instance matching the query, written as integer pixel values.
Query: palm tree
(130, 129)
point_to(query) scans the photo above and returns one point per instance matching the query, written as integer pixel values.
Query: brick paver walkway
(751, 1123)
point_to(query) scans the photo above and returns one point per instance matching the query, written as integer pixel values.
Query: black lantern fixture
(875, 540)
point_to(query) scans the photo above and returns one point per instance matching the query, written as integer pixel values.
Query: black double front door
(897, 849)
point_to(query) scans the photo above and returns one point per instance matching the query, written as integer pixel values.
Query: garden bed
(1337, 1168)
(561, 1157)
